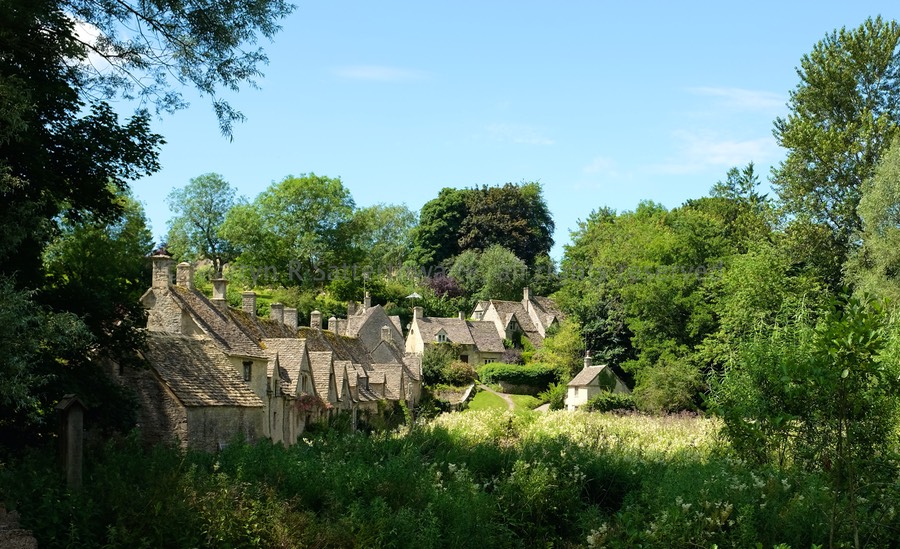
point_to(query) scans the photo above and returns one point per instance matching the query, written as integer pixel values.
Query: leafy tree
(298, 231)
(495, 273)
(513, 216)
(875, 267)
(195, 230)
(152, 48)
(384, 236)
(436, 238)
(563, 349)
(844, 113)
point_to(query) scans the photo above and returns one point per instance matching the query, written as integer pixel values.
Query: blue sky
(605, 103)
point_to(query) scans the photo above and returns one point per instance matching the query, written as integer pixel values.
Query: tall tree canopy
(513, 216)
(299, 231)
(843, 114)
(195, 230)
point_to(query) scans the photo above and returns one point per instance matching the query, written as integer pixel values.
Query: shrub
(606, 401)
(555, 395)
(669, 386)
(459, 373)
(436, 360)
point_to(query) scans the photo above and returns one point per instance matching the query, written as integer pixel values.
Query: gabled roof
(320, 362)
(217, 323)
(197, 371)
(547, 310)
(290, 352)
(508, 310)
(486, 337)
(457, 330)
(587, 375)
(260, 328)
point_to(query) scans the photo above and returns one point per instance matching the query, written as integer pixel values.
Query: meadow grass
(500, 478)
(486, 400)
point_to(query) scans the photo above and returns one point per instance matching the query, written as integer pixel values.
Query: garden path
(509, 403)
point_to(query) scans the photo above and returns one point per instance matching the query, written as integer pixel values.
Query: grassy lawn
(487, 401)
(525, 402)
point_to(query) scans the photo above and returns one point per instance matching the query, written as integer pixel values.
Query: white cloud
(700, 152)
(518, 133)
(741, 99)
(377, 73)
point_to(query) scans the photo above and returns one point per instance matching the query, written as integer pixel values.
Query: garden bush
(536, 375)
(606, 401)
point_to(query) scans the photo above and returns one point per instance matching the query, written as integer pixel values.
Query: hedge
(538, 375)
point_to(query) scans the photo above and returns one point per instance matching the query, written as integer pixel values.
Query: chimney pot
(161, 265)
(248, 302)
(332, 324)
(588, 361)
(418, 312)
(290, 318)
(276, 312)
(462, 315)
(526, 294)
(386, 333)
(185, 275)
(367, 301)
(315, 320)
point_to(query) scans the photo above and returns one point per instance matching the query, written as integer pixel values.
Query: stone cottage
(514, 320)
(216, 372)
(590, 381)
(478, 341)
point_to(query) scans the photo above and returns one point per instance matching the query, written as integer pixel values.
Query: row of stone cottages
(216, 371)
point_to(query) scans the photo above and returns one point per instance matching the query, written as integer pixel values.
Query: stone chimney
(332, 324)
(339, 326)
(185, 275)
(526, 294)
(386, 333)
(161, 265)
(290, 318)
(588, 361)
(462, 315)
(351, 308)
(248, 303)
(220, 288)
(315, 320)
(276, 312)
(418, 312)
(367, 302)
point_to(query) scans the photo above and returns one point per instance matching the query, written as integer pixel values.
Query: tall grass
(491, 478)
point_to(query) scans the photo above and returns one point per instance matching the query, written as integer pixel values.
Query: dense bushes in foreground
(495, 479)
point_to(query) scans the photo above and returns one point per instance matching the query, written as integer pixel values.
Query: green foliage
(555, 395)
(670, 385)
(436, 360)
(199, 212)
(875, 266)
(606, 401)
(495, 273)
(384, 236)
(298, 232)
(515, 217)
(563, 348)
(486, 400)
(535, 374)
(843, 115)
(822, 395)
(459, 373)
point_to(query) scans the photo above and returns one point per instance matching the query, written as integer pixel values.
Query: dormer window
(514, 326)
(441, 337)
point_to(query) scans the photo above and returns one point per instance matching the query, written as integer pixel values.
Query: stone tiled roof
(217, 323)
(508, 309)
(486, 337)
(260, 328)
(392, 380)
(290, 352)
(343, 368)
(586, 376)
(395, 319)
(320, 362)
(197, 371)
(547, 310)
(457, 330)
